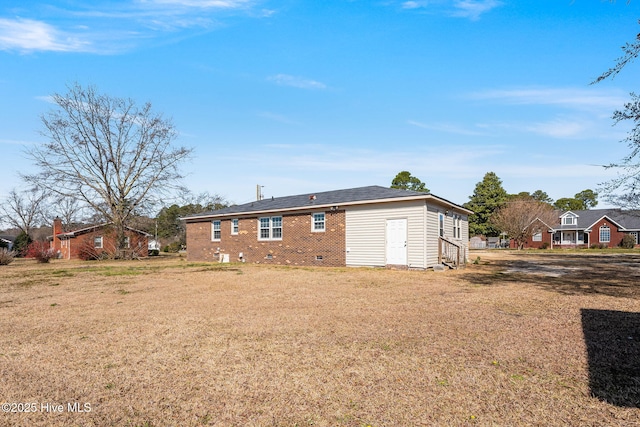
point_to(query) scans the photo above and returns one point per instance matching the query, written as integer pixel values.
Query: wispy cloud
(117, 26)
(295, 81)
(29, 35)
(469, 9)
(566, 97)
(473, 9)
(414, 4)
(448, 128)
(204, 4)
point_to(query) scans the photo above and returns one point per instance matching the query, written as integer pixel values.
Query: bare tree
(24, 209)
(69, 210)
(631, 52)
(204, 201)
(628, 179)
(113, 155)
(521, 218)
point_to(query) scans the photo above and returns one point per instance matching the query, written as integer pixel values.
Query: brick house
(602, 227)
(92, 242)
(366, 226)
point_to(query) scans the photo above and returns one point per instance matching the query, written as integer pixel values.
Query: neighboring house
(602, 227)
(93, 241)
(367, 226)
(7, 241)
(478, 242)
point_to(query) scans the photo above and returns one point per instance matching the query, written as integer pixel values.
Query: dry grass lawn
(163, 342)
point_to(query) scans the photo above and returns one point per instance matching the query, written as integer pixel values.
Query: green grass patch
(62, 273)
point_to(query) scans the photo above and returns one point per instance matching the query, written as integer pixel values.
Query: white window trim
(602, 228)
(271, 228)
(214, 229)
(313, 222)
(101, 242)
(235, 226)
(537, 237)
(127, 242)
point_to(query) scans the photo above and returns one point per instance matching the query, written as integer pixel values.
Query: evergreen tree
(586, 199)
(541, 196)
(22, 242)
(405, 181)
(488, 196)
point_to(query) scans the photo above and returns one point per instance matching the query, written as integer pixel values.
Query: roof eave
(330, 205)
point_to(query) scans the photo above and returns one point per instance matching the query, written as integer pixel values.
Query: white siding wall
(433, 211)
(366, 229)
(433, 234)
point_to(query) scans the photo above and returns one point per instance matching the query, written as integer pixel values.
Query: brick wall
(616, 236)
(72, 248)
(298, 246)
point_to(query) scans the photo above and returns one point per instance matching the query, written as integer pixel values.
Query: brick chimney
(57, 229)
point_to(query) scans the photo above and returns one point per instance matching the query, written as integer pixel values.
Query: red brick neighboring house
(601, 227)
(94, 241)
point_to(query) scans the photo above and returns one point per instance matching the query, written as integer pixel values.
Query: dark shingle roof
(629, 220)
(325, 198)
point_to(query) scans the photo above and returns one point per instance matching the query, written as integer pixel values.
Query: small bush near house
(40, 251)
(6, 256)
(598, 246)
(628, 242)
(88, 252)
(173, 247)
(544, 245)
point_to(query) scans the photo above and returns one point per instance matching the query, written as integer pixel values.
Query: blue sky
(305, 96)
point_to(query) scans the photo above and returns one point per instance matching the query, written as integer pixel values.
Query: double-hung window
(97, 242)
(457, 229)
(127, 242)
(537, 237)
(234, 226)
(605, 234)
(318, 222)
(215, 230)
(270, 228)
(441, 224)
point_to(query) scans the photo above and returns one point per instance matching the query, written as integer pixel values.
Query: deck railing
(451, 254)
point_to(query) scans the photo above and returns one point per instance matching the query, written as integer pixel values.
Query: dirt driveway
(614, 274)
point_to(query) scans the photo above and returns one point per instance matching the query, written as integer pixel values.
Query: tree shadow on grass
(613, 347)
(613, 275)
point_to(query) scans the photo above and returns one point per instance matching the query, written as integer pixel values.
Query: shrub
(173, 247)
(544, 245)
(6, 256)
(628, 242)
(21, 244)
(88, 252)
(41, 251)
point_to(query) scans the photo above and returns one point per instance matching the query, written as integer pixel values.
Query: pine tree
(405, 181)
(488, 196)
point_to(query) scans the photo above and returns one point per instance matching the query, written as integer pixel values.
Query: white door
(396, 242)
